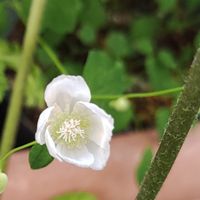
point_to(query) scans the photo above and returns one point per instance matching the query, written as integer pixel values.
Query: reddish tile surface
(116, 181)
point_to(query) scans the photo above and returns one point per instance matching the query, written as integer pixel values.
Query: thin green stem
(139, 95)
(52, 56)
(16, 149)
(178, 126)
(15, 106)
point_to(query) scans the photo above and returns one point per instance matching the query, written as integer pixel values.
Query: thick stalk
(178, 126)
(15, 105)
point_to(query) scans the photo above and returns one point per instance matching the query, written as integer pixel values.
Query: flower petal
(66, 90)
(42, 125)
(100, 123)
(78, 156)
(51, 146)
(101, 155)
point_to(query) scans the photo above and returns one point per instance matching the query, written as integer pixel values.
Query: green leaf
(3, 18)
(162, 115)
(34, 90)
(9, 54)
(60, 17)
(117, 44)
(52, 38)
(144, 165)
(166, 6)
(87, 34)
(76, 196)
(166, 59)
(160, 77)
(144, 46)
(72, 67)
(43, 57)
(104, 75)
(144, 27)
(39, 156)
(93, 14)
(22, 8)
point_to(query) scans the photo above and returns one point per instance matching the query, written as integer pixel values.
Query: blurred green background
(118, 46)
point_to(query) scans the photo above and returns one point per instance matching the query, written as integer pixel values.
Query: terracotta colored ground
(116, 181)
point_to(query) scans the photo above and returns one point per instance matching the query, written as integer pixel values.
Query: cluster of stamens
(71, 131)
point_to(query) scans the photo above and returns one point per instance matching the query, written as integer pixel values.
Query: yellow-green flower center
(70, 130)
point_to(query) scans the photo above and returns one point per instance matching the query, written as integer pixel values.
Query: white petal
(101, 155)
(101, 124)
(42, 125)
(66, 90)
(51, 146)
(78, 156)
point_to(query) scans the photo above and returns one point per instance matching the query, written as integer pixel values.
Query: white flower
(73, 129)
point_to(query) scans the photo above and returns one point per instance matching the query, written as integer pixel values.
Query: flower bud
(3, 182)
(121, 104)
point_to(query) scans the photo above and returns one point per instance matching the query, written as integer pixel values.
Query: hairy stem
(178, 126)
(15, 106)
